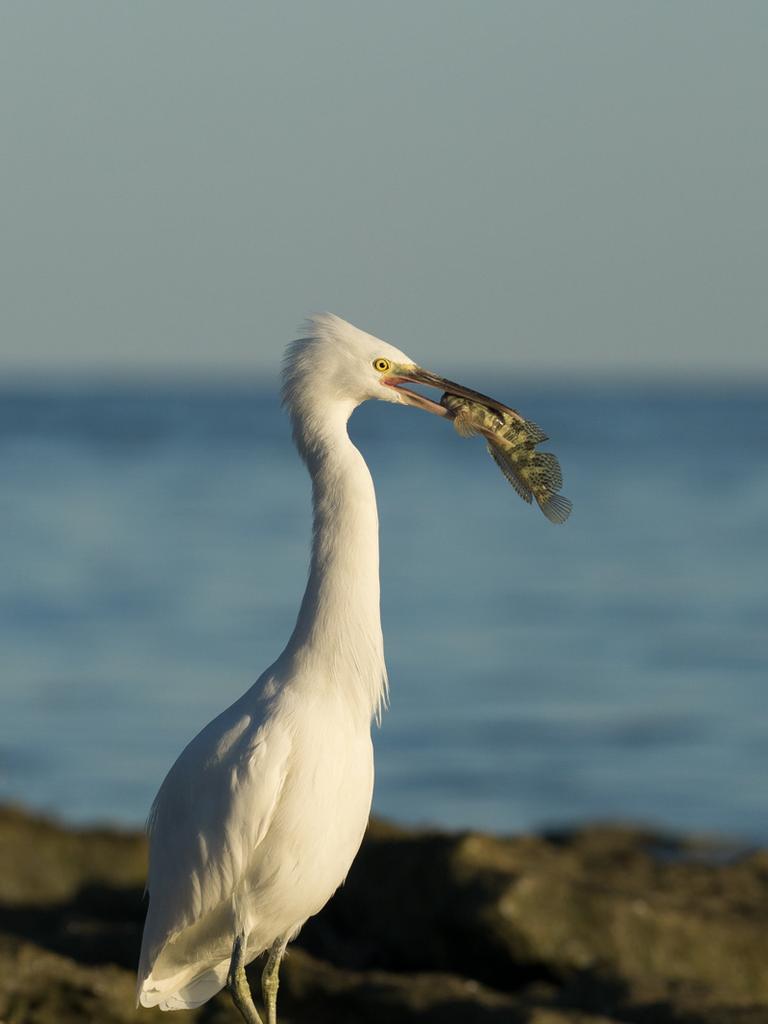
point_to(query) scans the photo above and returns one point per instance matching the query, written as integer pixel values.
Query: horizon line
(267, 376)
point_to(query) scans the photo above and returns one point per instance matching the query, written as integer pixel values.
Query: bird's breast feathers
(264, 810)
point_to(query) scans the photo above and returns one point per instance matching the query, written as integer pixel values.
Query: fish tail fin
(556, 508)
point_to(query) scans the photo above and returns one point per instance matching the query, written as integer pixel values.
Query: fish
(511, 441)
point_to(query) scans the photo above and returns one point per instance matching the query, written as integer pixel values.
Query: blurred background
(561, 204)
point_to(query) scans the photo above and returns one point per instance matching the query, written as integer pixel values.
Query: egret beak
(402, 374)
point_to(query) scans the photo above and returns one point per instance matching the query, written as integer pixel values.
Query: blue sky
(542, 186)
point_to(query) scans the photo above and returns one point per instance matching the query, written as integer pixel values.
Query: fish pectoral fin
(465, 426)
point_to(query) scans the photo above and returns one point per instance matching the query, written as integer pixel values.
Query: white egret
(259, 819)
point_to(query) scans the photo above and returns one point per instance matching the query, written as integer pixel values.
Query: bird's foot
(238, 986)
(270, 979)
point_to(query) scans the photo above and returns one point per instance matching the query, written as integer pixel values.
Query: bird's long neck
(338, 632)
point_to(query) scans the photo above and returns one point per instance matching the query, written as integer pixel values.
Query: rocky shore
(597, 926)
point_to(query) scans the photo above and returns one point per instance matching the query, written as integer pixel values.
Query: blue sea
(154, 550)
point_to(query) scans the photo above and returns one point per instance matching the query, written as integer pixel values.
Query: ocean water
(154, 551)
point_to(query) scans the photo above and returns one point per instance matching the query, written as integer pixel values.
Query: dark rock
(42, 863)
(599, 925)
(595, 904)
(39, 987)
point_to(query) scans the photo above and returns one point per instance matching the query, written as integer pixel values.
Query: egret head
(336, 364)
(336, 367)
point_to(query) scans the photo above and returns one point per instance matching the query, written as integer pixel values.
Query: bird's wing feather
(209, 817)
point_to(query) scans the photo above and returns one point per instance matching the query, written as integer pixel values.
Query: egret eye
(382, 365)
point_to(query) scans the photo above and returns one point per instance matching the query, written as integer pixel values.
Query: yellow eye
(382, 365)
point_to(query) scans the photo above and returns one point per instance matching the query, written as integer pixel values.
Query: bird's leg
(237, 983)
(270, 979)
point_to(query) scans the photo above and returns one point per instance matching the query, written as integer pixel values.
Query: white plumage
(258, 821)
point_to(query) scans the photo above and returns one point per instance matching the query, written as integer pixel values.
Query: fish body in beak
(512, 444)
(511, 439)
